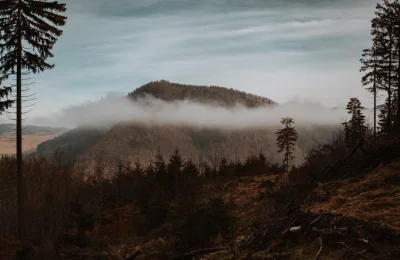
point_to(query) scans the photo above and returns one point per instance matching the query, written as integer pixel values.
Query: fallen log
(354, 251)
(189, 255)
(321, 246)
(134, 255)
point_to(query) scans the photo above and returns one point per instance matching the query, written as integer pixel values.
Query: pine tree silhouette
(286, 139)
(174, 169)
(355, 129)
(28, 33)
(383, 117)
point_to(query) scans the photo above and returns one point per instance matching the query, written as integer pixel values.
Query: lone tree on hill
(355, 129)
(286, 139)
(28, 33)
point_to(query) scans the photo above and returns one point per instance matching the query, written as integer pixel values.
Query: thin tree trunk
(374, 98)
(288, 154)
(398, 85)
(389, 118)
(20, 181)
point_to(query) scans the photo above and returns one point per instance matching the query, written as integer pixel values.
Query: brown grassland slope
(375, 197)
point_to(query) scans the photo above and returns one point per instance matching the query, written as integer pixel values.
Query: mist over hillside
(170, 103)
(200, 121)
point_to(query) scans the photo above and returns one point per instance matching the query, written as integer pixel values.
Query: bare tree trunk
(389, 116)
(398, 86)
(20, 181)
(374, 99)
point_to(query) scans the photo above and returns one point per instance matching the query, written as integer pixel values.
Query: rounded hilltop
(221, 96)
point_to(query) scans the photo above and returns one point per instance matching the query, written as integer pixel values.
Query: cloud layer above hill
(114, 109)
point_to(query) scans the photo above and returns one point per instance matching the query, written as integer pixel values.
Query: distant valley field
(29, 142)
(32, 136)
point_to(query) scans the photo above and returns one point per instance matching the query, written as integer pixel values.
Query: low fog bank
(112, 109)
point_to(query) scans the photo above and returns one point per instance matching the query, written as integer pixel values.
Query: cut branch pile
(351, 237)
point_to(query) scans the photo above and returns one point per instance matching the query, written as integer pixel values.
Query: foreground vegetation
(244, 208)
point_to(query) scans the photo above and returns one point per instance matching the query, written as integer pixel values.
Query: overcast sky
(278, 49)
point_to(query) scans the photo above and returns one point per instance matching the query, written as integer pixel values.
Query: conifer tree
(29, 30)
(383, 117)
(137, 169)
(208, 171)
(355, 129)
(160, 168)
(223, 167)
(190, 170)
(189, 180)
(174, 169)
(286, 139)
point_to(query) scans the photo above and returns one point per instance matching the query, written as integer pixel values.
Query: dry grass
(29, 143)
(375, 197)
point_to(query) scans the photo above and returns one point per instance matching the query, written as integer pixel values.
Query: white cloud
(114, 109)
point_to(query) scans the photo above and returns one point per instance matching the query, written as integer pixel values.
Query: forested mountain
(128, 142)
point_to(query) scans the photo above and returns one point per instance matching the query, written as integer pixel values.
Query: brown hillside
(129, 142)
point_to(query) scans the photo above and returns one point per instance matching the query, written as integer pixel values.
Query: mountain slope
(129, 142)
(71, 144)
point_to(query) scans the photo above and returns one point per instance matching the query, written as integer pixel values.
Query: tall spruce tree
(29, 30)
(286, 139)
(383, 117)
(174, 169)
(355, 129)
